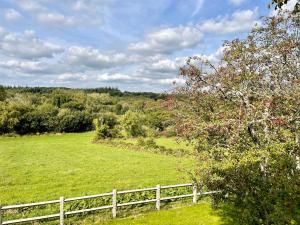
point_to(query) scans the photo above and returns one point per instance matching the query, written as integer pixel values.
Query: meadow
(44, 167)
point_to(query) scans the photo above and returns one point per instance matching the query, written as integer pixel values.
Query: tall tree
(244, 113)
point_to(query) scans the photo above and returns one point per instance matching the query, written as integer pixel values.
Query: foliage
(148, 143)
(132, 123)
(39, 110)
(106, 126)
(158, 120)
(244, 114)
(73, 121)
(280, 3)
(166, 146)
(2, 93)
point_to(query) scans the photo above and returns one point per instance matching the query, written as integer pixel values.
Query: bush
(256, 194)
(73, 121)
(2, 93)
(158, 120)
(141, 141)
(132, 123)
(150, 143)
(106, 126)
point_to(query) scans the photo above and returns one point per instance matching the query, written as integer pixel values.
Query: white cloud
(237, 2)
(168, 40)
(174, 80)
(103, 77)
(80, 5)
(29, 5)
(289, 7)
(199, 5)
(93, 58)
(216, 56)
(72, 77)
(26, 45)
(239, 21)
(115, 77)
(162, 67)
(55, 18)
(22, 66)
(11, 15)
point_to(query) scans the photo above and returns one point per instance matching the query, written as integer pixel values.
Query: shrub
(132, 123)
(73, 121)
(106, 126)
(141, 141)
(2, 93)
(158, 120)
(150, 143)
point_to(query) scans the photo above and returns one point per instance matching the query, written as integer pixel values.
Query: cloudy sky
(135, 45)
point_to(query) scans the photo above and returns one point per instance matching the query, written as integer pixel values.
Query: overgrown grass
(167, 142)
(34, 168)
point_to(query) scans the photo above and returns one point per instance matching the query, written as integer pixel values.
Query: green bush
(106, 126)
(158, 120)
(147, 143)
(132, 123)
(150, 143)
(2, 93)
(262, 185)
(140, 141)
(74, 121)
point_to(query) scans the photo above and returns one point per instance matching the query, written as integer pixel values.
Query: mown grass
(35, 168)
(200, 214)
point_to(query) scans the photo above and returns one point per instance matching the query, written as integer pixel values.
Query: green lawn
(200, 214)
(34, 168)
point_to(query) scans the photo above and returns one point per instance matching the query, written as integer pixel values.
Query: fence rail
(62, 213)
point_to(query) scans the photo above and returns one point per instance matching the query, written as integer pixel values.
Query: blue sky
(135, 45)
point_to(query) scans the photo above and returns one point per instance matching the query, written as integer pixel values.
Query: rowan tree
(244, 114)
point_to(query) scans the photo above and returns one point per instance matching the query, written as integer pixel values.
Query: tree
(106, 126)
(244, 114)
(132, 123)
(2, 93)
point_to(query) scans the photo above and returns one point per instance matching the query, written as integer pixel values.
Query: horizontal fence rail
(114, 204)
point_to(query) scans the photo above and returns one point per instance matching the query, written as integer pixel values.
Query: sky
(133, 45)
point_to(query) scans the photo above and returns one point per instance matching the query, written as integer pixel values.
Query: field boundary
(114, 205)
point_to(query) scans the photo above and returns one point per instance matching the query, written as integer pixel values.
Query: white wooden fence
(62, 213)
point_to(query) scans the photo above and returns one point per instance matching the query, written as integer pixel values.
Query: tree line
(31, 110)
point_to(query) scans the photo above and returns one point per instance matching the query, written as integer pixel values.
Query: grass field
(34, 168)
(200, 214)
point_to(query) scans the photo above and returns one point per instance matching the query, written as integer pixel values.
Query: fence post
(1, 214)
(114, 203)
(195, 197)
(61, 210)
(158, 197)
